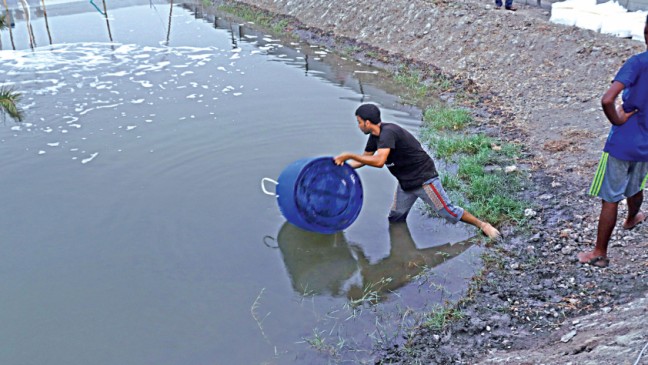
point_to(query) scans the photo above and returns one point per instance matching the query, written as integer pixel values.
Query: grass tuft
(439, 317)
(446, 118)
(257, 17)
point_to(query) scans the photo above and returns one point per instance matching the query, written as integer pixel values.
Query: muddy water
(134, 229)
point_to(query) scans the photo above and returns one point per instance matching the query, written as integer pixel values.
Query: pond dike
(539, 85)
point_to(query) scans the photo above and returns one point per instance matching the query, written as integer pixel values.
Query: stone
(568, 336)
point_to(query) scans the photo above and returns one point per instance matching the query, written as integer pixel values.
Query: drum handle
(263, 186)
(265, 242)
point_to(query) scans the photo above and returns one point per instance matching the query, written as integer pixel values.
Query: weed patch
(256, 16)
(446, 118)
(481, 182)
(439, 317)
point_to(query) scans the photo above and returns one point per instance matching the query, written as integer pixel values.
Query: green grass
(372, 54)
(447, 146)
(257, 17)
(489, 194)
(412, 81)
(439, 317)
(446, 118)
(441, 83)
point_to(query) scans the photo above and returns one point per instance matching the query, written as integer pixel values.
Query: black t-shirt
(407, 160)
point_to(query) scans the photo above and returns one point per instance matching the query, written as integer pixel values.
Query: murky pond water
(134, 229)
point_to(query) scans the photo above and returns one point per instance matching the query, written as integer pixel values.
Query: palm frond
(3, 21)
(9, 103)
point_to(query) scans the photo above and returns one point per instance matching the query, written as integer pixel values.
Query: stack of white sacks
(608, 18)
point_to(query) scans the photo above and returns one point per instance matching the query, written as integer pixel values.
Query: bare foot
(490, 231)
(640, 217)
(593, 259)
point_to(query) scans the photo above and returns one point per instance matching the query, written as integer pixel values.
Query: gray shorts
(433, 194)
(617, 179)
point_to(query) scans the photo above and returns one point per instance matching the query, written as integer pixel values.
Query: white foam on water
(86, 111)
(116, 74)
(109, 106)
(92, 157)
(94, 77)
(144, 83)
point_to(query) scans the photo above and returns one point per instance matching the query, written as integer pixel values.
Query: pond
(134, 228)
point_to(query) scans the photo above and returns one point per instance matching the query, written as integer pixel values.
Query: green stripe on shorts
(643, 184)
(600, 173)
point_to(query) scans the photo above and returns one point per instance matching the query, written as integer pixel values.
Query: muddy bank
(538, 84)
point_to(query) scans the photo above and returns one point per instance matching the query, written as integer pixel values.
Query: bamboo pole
(107, 22)
(169, 29)
(46, 22)
(13, 45)
(30, 30)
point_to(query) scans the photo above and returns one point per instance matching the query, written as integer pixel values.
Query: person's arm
(616, 116)
(376, 159)
(356, 164)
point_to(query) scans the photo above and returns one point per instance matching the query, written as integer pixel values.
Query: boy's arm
(376, 159)
(616, 116)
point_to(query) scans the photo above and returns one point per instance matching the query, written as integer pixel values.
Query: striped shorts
(433, 194)
(616, 179)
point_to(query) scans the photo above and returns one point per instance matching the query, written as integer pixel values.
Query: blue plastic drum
(317, 195)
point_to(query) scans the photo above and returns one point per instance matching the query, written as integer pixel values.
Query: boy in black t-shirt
(401, 152)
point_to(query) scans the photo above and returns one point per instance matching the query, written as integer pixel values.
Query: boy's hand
(341, 159)
(623, 116)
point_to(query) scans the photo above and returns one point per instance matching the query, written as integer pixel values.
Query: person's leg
(403, 202)
(498, 4)
(635, 216)
(485, 227)
(637, 175)
(610, 184)
(435, 196)
(607, 221)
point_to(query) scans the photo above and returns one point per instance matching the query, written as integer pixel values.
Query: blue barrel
(317, 195)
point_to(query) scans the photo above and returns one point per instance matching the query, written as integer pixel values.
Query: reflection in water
(327, 265)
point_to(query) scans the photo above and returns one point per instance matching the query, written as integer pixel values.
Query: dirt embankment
(540, 85)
